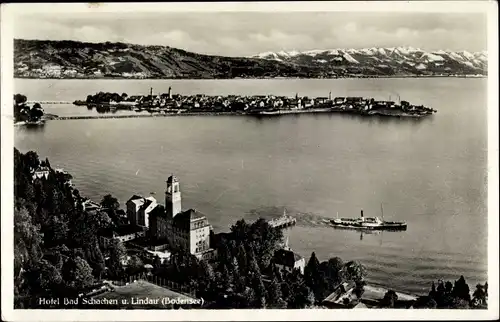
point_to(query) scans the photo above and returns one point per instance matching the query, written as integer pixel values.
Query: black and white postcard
(249, 161)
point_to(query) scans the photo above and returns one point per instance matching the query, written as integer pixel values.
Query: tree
(241, 256)
(117, 253)
(249, 295)
(276, 273)
(240, 230)
(314, 278)
(76, 194)
(43, 279)
(461, 289)
(359, 289)
(335, 269)
(135, 265)
(389, 299)
(86, 225)
(275, 297)
(20, 99)
(36, 112)
(304, 297)
(448, 287)
(266, 240)
(47, 163)
(458, 304)
(425, 302)
(111, 205)
(206, 275)
(260, 291)
(26, 236)
(441, 289)
(311, 271)
(31, 160)
(96, 260)
(225, 277)
(77, 274)
(157, 262)
(224, 253)
(55, 231)
(433, 291)
(355, 271)
(110, 202)
(479, 295)
(100, 220)
(253, 266)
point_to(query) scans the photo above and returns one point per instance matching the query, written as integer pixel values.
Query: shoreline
(48, 117)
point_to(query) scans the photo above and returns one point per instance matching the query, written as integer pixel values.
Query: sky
(248, 33)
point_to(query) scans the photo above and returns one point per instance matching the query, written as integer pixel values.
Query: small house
(289, 260)
(41, 172)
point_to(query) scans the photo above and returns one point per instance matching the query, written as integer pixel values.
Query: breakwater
(86, 117)
(49, 102)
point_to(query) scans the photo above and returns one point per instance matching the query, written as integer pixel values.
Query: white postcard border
(8, 14)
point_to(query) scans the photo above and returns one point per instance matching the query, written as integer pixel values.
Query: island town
(169, 103)
(93, 255)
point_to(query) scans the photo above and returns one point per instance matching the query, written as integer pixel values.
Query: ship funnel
(361, 212)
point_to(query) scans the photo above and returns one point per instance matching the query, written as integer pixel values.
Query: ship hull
(384, 226)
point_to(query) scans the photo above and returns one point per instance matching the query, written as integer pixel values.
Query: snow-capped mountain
(392, 60)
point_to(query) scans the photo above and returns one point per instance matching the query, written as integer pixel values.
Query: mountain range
(74, 59)
(395, 60)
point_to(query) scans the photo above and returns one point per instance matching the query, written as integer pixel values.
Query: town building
(289, 260)
(123, 233)
(339, 100)
(89, 205)
(158, 226)
(41, 172)
(139, 208)
(188, 230)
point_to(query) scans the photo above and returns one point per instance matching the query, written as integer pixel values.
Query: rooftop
(286, 257)
(184, 219)
(146, 203)
(141, 201)
(195, 214)
(134, 197)
(121, 230)
(159, 211)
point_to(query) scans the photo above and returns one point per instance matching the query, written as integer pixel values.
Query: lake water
(430, 173)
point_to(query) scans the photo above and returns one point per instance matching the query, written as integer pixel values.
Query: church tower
(173, 197)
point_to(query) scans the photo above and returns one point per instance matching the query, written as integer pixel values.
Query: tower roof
(172, 179)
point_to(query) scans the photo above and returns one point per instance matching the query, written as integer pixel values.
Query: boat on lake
(367, 223)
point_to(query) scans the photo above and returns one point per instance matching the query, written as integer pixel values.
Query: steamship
(367, 223)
